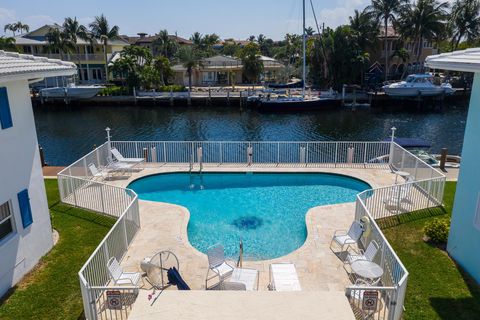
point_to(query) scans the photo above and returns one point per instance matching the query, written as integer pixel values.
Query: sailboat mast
(304, 53)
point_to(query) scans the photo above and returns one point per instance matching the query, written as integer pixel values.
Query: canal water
(68, 133)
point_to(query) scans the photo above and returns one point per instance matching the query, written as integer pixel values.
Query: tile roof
(14, 66)
(464, 60)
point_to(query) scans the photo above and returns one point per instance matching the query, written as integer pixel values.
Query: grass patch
(52, 290)
(437, 287)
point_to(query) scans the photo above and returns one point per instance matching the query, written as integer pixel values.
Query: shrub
(114, 91)
(437, 230)
(173, 88)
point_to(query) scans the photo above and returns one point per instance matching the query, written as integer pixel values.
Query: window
(25, 209)
(476, 220)
(27, 49)
(6, 223)
(5, 115)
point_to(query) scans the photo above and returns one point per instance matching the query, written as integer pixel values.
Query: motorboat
(416, 85)
(71, 91)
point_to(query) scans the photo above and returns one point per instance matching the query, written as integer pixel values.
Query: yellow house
(88, 56)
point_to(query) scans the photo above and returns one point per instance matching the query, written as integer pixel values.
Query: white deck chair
(369, 254)
(400, 193)
(119, 276)
(346, 238)
(120, 167)
(103, 174)
(283, 277)
(120, 158)
(217, 264)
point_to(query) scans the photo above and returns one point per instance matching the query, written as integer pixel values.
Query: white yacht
(71, 91)
(418, 85)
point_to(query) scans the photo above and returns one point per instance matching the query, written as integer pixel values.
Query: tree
(309, 31)
(386, 11)
(252, 65)
(197, 40)
(404, 56)
(464, 21)
(74, 31)
(101, 30)
(16, 26)
(58, 41)
(167, 47)
(231, 48)
(365, 28)
(190, 59)
(162, 65)
(7, 44)
(424, 20)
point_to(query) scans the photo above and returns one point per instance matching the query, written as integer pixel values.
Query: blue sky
(229, 19)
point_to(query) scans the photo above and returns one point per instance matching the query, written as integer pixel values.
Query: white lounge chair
(120, 158)
(119, 276)
(217, 264)
(102, 174)
(119, 167)
(399, 193)
(346, 238)
(283, 277)
(369, 254)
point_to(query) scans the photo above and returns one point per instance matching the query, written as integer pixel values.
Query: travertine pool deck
(164, 227)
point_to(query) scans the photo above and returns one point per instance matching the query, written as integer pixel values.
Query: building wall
(464, 240)
(20, 169)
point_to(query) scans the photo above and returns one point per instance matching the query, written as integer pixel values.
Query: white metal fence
(257, 153)
(425, 190)
(77, 188)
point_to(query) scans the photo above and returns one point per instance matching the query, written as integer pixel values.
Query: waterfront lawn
(51, 290)
(437, 287)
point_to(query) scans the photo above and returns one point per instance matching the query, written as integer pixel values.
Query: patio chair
(119, 167)
(283, 277)
(398, 194)
(217, 264)
(369, 254)
(120, 158)
(103, 174)
(346, 238)
(121, 277)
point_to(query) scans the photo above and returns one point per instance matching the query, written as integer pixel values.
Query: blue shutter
(5, 115)
(25, 209)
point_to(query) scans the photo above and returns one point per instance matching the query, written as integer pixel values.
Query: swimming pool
(265, 210)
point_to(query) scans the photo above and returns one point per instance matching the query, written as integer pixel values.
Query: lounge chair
(120, 158)
(283, 277)
(217, 264)
(398, 194)
(369, 254)
(119, 276)
(119, 167)
(346, 238)
(102, 174)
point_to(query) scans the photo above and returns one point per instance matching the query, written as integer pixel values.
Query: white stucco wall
(20, 169)
(464, 240)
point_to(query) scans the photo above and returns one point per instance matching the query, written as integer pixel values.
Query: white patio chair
(283, 277)
(120, 158)
(346, 238)
(398, 194)
(119, 276)
(369, 254)
(217, 264)
(119, 167)
(103, 174)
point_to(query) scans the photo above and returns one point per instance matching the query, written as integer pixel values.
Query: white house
(464, 239)
(25, 227)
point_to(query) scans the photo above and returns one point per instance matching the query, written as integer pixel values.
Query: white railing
(263, 153)
(78, 189)
(380, 205)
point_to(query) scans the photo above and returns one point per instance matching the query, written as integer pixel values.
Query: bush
(114, 91)
(437, 230)
(173, 88)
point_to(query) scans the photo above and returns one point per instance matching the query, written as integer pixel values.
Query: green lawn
(52, 290)
(437, 287)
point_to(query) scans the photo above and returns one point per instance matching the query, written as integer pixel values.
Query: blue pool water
(265, 210)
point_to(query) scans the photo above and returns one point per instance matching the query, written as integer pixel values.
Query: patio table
(367, 269)
(249, 277)
(402, 174)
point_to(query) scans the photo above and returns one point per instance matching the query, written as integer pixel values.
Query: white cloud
(34, 21)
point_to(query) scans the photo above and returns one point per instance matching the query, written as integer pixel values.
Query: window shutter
(5, 115)
(25, 209)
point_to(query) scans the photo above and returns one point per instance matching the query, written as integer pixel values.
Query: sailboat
(298, 103)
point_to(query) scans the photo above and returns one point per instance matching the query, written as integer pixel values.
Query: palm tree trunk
(190, 79)
(386, 49)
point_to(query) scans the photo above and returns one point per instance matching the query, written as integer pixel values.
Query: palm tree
(74, 31)
(58, 40)
(10, 27)
(22, 27)
(190, 59)
(166, 44)
(309, 31)
(7, 44)
(365, 29)
(162, 65)
(465, 21)
(386, 11)
(424, 20)
(197, 40)
(404, 56)
(101, 30)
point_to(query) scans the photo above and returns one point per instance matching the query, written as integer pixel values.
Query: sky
(227, 18)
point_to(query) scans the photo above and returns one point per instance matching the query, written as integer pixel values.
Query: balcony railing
(75, 57)
(425, 190)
